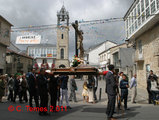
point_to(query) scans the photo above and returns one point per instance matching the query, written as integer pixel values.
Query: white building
(142, 30)
(92, 54)
(140, 17)
(104, 59)
(43, 54)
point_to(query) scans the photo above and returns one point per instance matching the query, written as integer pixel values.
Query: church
(50, 56)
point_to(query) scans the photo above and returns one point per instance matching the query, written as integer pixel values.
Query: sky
(44, 12)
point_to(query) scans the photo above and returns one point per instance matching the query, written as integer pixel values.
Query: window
(147, 12)
(127, 24)
(135, 24)
(61, 36)
(133, 28)
(138, 11)
(135, 14)
(153, 9)
(132, 18)
(139, 21)
(142, 5)
(62, 53)
(157, 4)
(147, 3)
(143, 17)
(140, 46)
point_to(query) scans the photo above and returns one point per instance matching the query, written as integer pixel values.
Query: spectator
(64, 90)
(33, 88)
(11, 86)
(24, 88)
(2, 87)
(85, 91)
(124, 85)
(111, 86)
(90, 86)
(133, 86)
(153, 75)
(43, 92)
(95, 87)
(53, 87)
(73, 88)
(17, 87)
(152, 89)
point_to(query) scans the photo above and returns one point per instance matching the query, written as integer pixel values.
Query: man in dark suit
(53, 85)
(33, 88)
(111, 86)
(43, 92)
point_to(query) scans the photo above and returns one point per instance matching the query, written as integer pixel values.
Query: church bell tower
(62, 59)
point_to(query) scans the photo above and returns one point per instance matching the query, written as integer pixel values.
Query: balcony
(139, 58)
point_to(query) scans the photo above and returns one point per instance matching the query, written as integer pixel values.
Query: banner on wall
(28, 39)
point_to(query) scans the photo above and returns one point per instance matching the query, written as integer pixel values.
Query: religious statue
(80, 40)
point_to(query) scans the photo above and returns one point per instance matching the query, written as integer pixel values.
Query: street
(81, 110)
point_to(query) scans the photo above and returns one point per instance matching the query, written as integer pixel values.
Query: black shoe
(127, 109)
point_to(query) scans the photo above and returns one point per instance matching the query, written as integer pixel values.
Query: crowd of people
(46, 87)
(117, 86)
(40, 86)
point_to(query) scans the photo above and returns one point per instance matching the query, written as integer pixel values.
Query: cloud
(43, 12)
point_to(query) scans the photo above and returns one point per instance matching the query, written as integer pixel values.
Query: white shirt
(133, 82)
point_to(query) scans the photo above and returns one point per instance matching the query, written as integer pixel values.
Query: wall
(94, 58)
(2, 58)
(150, 45)
(4, 32)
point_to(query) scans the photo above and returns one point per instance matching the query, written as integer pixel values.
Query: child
(124, 85)
(85, 91)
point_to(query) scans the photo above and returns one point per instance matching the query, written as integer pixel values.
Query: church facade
(62, 59)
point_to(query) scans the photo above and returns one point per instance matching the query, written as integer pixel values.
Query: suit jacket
(111, 84)
(42, 84)
(32, 82)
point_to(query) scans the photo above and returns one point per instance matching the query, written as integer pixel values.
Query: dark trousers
(73, 95)
(43, 102)
(110, 105)
(150, 96)
(36, 98)
(94, 93)
(24, 94)
(125, 98)
(10, 96)
(17, 92)
(53, 99)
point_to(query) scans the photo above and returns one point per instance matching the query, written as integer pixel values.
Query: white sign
(28, 39)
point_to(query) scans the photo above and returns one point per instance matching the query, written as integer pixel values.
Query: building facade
(104, 59)
(44, 55)
(5, 28)
(142, 31)
(92, 54)
(16, 62)
(62, 59)
(121, 57)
